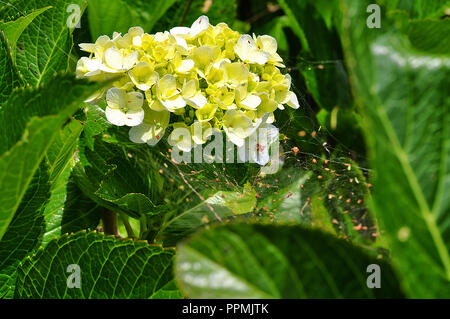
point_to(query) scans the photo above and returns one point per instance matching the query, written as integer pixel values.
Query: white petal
(181, 42)
(137, 41)
(93, 64)
(197, 101)
(135, 100)
(180, 31)
(186, 66)
(238, 141)
(115, 116)
(293, 101)
(115, 98)
(107, 69)
(173, 104)
(244, 46)
(93, 73)
(130, 60)
(269, 44)
(87, 47)
(146, 133)
(113, 58)
(134, 117)
(200, 25)
(259, 122)
(251, 102)
(259, 57)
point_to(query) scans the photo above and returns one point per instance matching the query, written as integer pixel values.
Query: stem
(186, 9)
(143, 226)
(110, 222)
(127, 225)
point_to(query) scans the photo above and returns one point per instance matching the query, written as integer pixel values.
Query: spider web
(322, 182)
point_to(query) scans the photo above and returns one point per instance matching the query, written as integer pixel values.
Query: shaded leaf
(269, 261)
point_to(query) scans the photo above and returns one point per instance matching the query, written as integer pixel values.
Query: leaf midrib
(425, 211)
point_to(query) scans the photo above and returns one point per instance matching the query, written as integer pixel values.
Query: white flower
(269, 45)
(168, 94)
(239, 126)
(198, 27)
(180, 137)
(124, 108)
(87, 67)
(152, 128)
(245, 99)
(114, 61)
(248, 51)
(143, 76)
(192, 94)
(258, 145)
(99, 47)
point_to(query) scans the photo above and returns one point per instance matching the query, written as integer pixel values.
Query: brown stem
(186, 9)
(110, 222)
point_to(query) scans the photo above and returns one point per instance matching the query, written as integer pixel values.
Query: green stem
(127, 225)
(143, 226)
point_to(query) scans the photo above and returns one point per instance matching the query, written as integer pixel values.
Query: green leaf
(13, 29)
(270, 261)
(421, 8)
(25, 231)
(29, 122)
(68, 209)
(402, 93)
(95, 123)
(112, 179)
(44, 46)
(109, 268)
(321, 60)
(63, 148)
(10, 77)
(106, 17)
(219, 206)
(429, 35)
(283, 200)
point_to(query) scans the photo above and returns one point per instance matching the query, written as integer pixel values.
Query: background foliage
(365, 175)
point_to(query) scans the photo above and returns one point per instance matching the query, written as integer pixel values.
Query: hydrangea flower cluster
(205, 76)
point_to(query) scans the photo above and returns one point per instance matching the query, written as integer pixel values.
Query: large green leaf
(29, 122)
(109, 268)
(9, 76)
(68, 209)
(63, 148)
(429, 35)
(269, 261)
(403, 95)
(221, 205)
(421, 8)
(44, 47)
(25, 231)
(112, 179)
(106, 17)
(13, 29)
(281, 198)
(321, 60)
